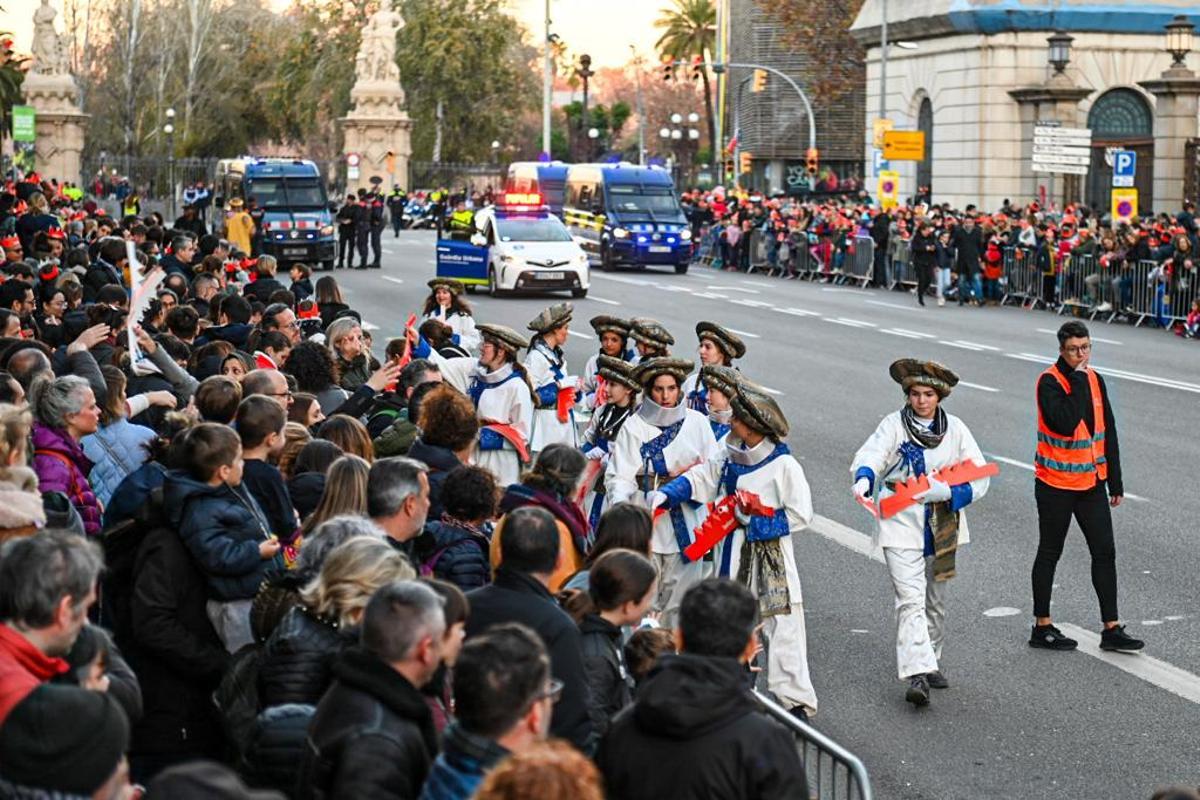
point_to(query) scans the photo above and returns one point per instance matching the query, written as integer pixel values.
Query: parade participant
(499, 387)
(621, 388)
(651, 339)
(613, 333)
(553, 390)
(756, 460)
(446, 304)
(718, 347)
(1077, 473)
(659, 442)
(721, 383)
(919, 542)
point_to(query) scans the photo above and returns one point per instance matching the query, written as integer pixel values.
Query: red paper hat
(56, 233)
(10, 242)
(49, 272)
(308, 310)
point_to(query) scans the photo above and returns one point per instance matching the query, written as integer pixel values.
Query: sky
(604, 29)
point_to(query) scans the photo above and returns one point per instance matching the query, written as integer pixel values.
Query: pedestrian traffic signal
(668, 68)
(760, 81)
(697, 68)
(811, 159)
(746, 162)
(728, 166)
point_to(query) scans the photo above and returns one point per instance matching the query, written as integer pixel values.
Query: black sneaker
(1117, 639)
(918, 690)
(799, 713)
(1049, 637)
(937, 680)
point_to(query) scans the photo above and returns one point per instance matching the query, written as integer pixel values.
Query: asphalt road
(1016, 722)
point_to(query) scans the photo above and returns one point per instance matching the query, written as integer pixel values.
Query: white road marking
(580, 335)
(604, 300)
(840, 289)
(1093, 338)
(978, 346)
(709, 296)
(1150, 669)
(959, 345)
(620, 279)
(1137, 377)
(978, 386)
(391, 279)
(893, 305)
(796, 312)
(734, 289)
(1002, 611)
(1152, 622)
(744, 333)
(764, 284)
(769, 390)
(915, 333)
(904, 334)
(750, 303)
(1028, 466)
(1159, 673)
(853, 323)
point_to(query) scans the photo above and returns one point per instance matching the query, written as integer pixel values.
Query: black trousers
(345, 246)
(362, 237)
(376, 245)
(1090, 509)
(924, 279)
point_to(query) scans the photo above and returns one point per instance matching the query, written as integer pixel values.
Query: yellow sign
(880, 127)
(1124, 204)
(904, 145)
(889, 189)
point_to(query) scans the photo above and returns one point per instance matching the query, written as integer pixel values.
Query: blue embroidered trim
(697, 399)
(422, 349)
(478, 387)
(729, 478)
(677, 491)
(653, 463)
(869, 474)
(490, 440)
(719, 429)
(961, 496)
(764, 529)
(548, 394)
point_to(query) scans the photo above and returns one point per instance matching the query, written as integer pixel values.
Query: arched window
(1121, 114)
(925, 125)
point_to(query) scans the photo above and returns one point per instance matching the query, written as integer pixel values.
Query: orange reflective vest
(1078, 462)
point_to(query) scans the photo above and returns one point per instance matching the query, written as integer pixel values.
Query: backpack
(428, 566)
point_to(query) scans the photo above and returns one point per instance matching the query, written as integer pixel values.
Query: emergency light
(522, 199)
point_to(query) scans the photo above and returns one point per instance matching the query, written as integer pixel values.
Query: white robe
(504, 399)
(463, 326)
(880, 454)
(780, 485)
(547, 368)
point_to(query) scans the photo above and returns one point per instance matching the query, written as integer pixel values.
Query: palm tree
(689, 30)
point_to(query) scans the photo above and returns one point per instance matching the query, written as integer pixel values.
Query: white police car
(529, 249)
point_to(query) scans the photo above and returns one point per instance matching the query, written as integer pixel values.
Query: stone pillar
(1177, 93)
(1057, 99)
(60, 125)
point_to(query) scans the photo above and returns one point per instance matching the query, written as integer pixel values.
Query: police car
(518, 246)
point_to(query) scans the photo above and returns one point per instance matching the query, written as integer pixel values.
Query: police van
(545, 178)
(297, 222)
(624, 214)
(517, 246)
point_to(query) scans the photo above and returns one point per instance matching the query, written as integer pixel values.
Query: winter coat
(331, 398)
(61, 466)
(235, 333)
(262, 289)
(174, 650)
(134, 492)
(222, 527)
(440, 461)
(305, 490)
(970, 248)
(354, 373)
(456, 553)
(372, 735)
(517, 597)
(99, 274)
(604, 664)
(297, 660)
(264, 482)
(302, 289)
(396, 439)
(924, 250)
(22, 512)
(459, 769)
(696, 731)
(386, 410)
(329, 312)
(115, 451)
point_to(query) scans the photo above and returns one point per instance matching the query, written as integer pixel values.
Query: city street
(1016, 722)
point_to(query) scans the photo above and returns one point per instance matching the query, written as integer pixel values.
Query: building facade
(979, 78)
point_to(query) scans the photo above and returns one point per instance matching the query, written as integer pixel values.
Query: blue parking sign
(1124, 167)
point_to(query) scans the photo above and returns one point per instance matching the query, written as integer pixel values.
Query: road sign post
(1124, 205)
(904, 145)
(1124, 168)
(889, 189)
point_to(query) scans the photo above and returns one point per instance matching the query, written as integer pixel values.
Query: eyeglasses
(1078, 349)
(553, 691)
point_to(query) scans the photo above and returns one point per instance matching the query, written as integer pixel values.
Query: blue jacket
(115, 452)
(134, 492)
(460, 767)
(222, 527)
(462, 554)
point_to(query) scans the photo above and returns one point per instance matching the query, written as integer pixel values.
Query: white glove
(655, 499)
(595, 454)
(938, 492)
(862, 488)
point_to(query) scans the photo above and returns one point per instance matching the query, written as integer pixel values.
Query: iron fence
(429, 175)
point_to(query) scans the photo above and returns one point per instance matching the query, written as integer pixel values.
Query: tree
(12, 75)
(689, 30)
(820, 29)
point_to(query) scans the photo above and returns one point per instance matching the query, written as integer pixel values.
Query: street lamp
(693, 118)
(169, 130)
(1179, 39)
(1060, 51)
(495, 151)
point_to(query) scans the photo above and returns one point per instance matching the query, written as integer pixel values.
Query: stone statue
(376, 60)
(49, 55)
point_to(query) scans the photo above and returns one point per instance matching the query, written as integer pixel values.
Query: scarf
(941, 522)
(519, 495)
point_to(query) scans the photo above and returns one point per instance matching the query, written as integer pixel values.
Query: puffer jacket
(455, 552)
(297, 661)
(61, 466)
(115, 451)
(604, 665)
(22, 512)
(354, 373)
(134, 492)
(222, 527)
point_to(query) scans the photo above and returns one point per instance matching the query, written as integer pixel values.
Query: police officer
(376, 217)
(395, 203)
(347, 221)
(362, 228)
(462, 221)
(257, 214)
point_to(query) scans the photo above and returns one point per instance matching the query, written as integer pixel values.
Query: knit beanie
(63, 739)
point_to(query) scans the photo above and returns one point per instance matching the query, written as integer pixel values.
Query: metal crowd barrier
(834, 773)
(706, 253)
(859, 266)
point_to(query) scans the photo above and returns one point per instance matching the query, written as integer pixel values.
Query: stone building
(979, 77)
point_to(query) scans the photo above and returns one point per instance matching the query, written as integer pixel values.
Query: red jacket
(22, 669)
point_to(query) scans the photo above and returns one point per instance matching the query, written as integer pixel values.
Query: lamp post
(674, 135)
(593, 135)
(1060, 51)
(495, 151)
(1179, 40)
(169, 130)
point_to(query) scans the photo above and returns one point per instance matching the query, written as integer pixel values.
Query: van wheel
(579, 293)
(493, 283)
(470, 288)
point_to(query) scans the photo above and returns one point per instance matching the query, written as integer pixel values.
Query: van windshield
(298, 192)
(545, 229)
(633, 198)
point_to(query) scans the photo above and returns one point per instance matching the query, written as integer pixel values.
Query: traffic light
(746, 162)
(760, 81)
(811, 158)
(697, 68)
(668, 68)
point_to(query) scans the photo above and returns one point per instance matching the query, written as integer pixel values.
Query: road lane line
(1025, 465)
(898, 332)
(915, 333)
(1137, 377)
(709, 296)
(978, 386)
(604, 300)
(368, 326)
(1160, 673)
(769, 390)
(580, 335)
(391, 279)
(853, 323)
(886, 304)
(978, 346)
(750, 303)
(959, 345)
(620, 279)
(796, 312)
(1093, 338)
(743, 333)
(846, 536)
(735, 289)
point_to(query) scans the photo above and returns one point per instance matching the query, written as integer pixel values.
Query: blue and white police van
(297, 221)
(623, 214)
